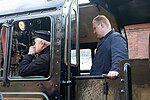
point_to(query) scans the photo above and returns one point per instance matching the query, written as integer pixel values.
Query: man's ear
(42, 43)
(102, 25)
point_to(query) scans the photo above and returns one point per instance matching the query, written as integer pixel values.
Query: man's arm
(38, 67)
(24, 65)
(119, 52)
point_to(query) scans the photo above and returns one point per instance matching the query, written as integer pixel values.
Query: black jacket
(111, 49)
(35, 67)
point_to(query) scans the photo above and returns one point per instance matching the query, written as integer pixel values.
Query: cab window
(23, 37)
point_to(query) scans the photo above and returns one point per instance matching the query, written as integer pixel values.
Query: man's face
(97, 29)
(38, 45)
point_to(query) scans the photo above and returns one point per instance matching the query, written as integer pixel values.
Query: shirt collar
(107, 34)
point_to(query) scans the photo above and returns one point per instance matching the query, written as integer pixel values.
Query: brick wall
(138, 40)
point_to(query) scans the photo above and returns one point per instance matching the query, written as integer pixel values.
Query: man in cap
(31, 66)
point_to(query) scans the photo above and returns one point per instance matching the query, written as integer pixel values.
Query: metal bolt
(122, 80)
(56, 73)
(56, 97)
(122, 91)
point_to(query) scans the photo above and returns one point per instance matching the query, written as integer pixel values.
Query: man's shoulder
(117, 35)
(45, 56)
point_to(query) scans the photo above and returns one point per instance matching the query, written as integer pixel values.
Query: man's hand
(31, 50)
(112, 75)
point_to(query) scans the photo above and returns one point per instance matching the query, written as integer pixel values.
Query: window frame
(29, 78)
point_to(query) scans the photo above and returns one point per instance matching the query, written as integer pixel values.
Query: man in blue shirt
(111, 49)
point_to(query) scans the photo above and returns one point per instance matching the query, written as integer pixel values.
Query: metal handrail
(88, 77)
(128, 81)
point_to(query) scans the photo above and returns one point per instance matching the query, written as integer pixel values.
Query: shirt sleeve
(119, 51)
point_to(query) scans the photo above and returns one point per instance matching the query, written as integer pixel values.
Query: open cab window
(21, 37)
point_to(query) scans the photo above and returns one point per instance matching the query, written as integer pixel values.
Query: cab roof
(17, 6)
(127, 12)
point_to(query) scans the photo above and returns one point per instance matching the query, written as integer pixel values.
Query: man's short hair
(39, 41)
(102, 19)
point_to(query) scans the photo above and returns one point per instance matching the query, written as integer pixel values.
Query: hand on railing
(112, 75)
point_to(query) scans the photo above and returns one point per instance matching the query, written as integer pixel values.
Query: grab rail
(128, 81)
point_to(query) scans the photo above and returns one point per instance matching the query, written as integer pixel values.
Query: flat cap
(42, 34)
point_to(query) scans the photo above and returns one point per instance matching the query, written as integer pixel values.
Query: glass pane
(85, 58)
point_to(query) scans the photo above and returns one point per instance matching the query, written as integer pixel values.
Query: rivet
(122, 91)
(56, 97)
(56, 73)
